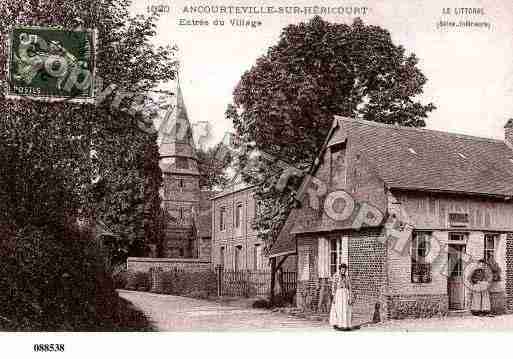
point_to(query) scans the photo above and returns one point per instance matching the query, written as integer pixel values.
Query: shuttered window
(331, 254)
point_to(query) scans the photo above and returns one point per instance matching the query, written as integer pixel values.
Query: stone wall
(417, 305)
(140, 264)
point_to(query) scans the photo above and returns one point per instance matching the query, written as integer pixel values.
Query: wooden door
(455, 287)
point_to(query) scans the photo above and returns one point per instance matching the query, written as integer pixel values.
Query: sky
(469, 69)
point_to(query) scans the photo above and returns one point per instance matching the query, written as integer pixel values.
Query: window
(236, 258)
(238, 215)
(489, 247)
(180, 211)
(420, 268)
(338, 253)
(257, 209)
(221, 256)
(181, 183)
(222, 219)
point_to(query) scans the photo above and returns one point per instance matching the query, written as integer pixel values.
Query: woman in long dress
(340, 314)
(480, 294)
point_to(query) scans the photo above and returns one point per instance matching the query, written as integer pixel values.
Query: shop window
(420, 268)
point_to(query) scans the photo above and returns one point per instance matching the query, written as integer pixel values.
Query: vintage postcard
(342, 169)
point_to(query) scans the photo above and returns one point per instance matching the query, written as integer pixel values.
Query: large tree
(60, 161)
(57, 153)
(284, 105)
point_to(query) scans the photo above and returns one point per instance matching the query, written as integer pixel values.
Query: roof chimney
(508, 132)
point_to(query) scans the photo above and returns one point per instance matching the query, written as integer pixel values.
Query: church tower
(181, 188)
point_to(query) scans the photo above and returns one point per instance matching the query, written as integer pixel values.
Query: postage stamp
(51, 64)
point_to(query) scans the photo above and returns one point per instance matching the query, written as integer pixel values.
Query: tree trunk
(280, 280)
(273, 279)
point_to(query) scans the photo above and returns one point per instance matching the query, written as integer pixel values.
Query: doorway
(455, 285)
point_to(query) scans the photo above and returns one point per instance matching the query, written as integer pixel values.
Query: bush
(137, 281)
(189, 284)
(142, 280)
(175, 282)
(261, 304)
(120, 279)
(284, 299)
(60, 285)
(131, 280)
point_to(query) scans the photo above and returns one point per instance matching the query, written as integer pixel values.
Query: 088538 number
(48, 347)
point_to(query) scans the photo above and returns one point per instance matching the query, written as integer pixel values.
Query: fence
(249, 283)
(192, 278)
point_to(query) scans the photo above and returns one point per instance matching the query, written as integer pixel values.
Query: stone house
(235, 244)
(411, 211)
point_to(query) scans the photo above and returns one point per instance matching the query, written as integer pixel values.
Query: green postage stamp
(51, 64)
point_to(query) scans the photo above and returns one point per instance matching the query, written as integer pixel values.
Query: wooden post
(219, 272)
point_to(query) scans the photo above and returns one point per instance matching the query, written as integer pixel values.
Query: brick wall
(140, 264)
(367, 270)
(307, 295)
(509, 273)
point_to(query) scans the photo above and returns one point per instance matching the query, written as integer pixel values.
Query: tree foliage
(63, 160)
(284, 105)
(53, 151)
(212, 167)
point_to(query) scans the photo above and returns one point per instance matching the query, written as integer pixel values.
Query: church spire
(177, 149)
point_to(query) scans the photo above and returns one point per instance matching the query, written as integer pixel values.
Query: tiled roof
(176, 143)
(418, 159)
(421, 159)
(286, 241)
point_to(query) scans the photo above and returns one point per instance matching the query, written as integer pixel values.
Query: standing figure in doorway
(340, 314)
